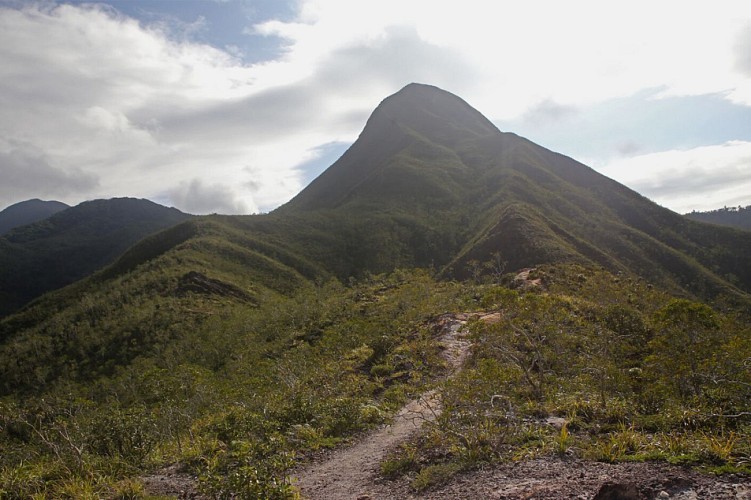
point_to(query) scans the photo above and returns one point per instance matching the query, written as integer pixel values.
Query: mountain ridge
(28, 212)
(73, 243)
(472, 175)
(477, 198)
(739, 218)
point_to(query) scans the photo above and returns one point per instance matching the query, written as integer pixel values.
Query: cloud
(144, 109)
(29, 174)
(547, 111)
(645, 122)
(363, 72)
(93, 91)
(629, 148)
(200, 198)
(701, 178)
(743, 50)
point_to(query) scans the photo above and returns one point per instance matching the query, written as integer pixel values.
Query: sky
(233, 106)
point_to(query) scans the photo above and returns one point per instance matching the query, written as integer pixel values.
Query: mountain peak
(432, 112)
(28, 212)
(417, 114)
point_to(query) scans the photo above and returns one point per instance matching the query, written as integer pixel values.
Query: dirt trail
(354, 472)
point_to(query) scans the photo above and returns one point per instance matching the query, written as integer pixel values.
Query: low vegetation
(630, 373)
(237, 398)
(600, 367)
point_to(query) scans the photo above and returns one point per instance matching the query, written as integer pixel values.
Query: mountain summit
(435, 179)
(434, 113)
(417, 114)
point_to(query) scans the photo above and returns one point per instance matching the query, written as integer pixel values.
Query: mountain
(27, 212)
(431, 182)
(73, 243)
(229, 345)
(733, 217)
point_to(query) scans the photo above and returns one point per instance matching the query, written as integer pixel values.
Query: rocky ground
(553, 478)
(172, 482)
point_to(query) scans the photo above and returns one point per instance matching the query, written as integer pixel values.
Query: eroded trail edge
(354, 471)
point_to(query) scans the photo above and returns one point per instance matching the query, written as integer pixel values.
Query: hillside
(72, 244)
(238, 346)
(236, 385)
(739, 217)
(27, 212)
(431, 182)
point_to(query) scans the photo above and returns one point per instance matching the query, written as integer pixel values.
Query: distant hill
(734, 217)
(27, 212)
(73, 243)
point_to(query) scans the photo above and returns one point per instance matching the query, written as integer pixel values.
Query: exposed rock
(522, 280)
(199, 283)
(679, 488)
(490, 318)
(556, 422)
(742, 491)
(618, 491)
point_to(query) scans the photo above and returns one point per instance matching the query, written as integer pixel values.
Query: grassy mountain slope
(440, 185)
(72, 244)
(154, 294)
(28, 212)
(446, 191)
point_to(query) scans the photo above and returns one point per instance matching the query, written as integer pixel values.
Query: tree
(686, 337)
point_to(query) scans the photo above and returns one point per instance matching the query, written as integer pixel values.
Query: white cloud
(79, 84)
(197, 197)
(701, 178)
(28, 173)
(139, 110)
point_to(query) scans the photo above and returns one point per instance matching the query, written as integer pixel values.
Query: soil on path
(552, 478)
(353, 472)
(172, 482)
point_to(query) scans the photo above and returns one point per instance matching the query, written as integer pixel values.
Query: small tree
(496, 266)
(531, 337)
(686, 337)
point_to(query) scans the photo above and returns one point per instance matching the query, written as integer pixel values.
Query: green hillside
(236, 383)
(73, 243)
(236, 346)
(28, 212)
(438, 185)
